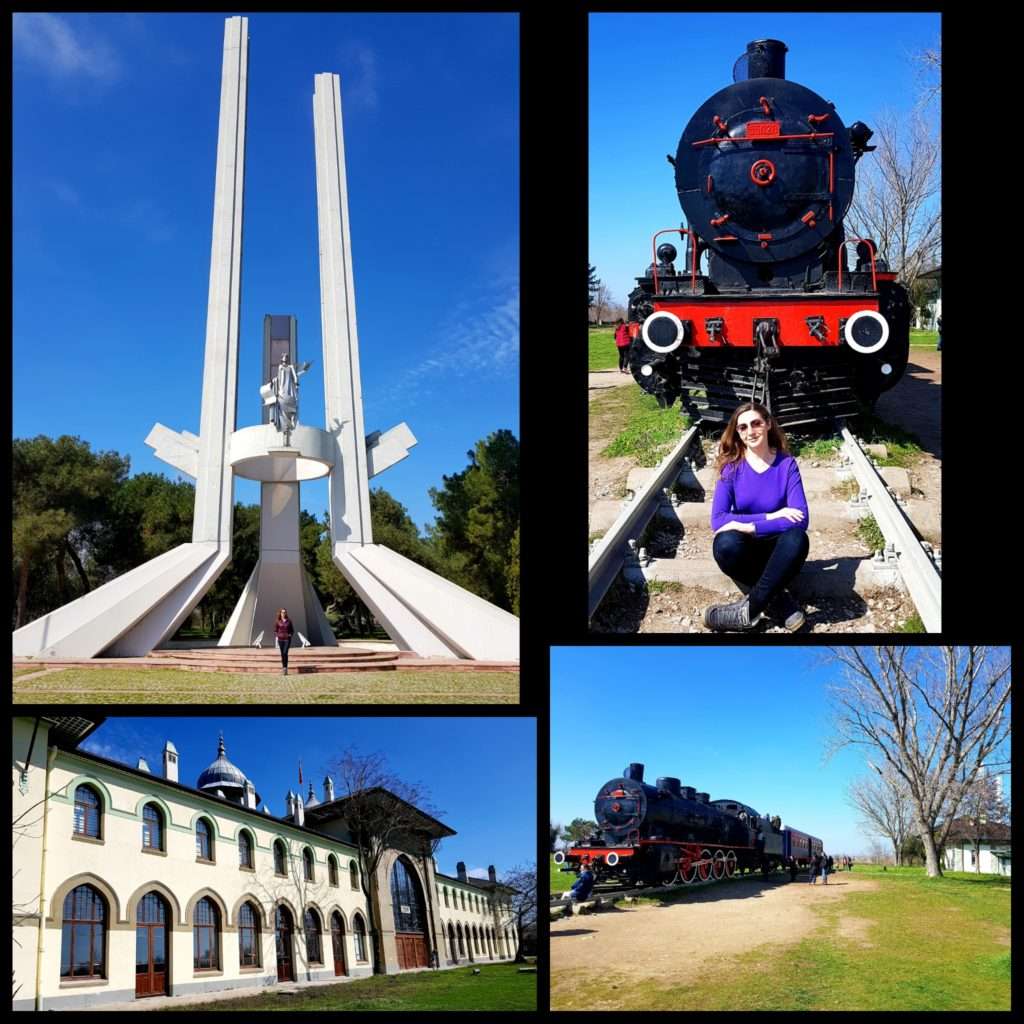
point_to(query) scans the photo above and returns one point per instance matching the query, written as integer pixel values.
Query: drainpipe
(51, 756)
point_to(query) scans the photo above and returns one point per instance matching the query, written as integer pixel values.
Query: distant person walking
(815, 868)
(938, 328)
(283, 630)
(622, 343)
(824, 869)
(831, 864)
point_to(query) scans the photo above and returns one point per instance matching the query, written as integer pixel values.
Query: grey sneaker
(730, 617)
(786, 612)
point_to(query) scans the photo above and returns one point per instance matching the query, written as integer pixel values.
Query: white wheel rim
(866, 350)
(718, 868)
(663, 349)
(730, 864)
(705, 857)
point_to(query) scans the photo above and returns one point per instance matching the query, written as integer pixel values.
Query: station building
(131, 884)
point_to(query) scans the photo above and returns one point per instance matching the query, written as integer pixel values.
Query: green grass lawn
(561, 881)
(177, 686)
(913, 944)
(496, 987)
(603, 354)
(650, 432)
(923, 339)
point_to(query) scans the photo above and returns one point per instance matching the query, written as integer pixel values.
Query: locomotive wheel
(718, 866)
(704, 865)
(730, 864)
(674, 880)
(688, 875)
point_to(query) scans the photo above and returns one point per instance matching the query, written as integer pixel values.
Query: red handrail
(871, 250)
(693, 257)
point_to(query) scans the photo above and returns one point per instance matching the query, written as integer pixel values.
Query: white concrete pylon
(133, 613)
(421, 611)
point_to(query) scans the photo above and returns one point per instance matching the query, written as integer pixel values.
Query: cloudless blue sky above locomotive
(479, 773)
(650, 72)
(746, 723)
(115, 135)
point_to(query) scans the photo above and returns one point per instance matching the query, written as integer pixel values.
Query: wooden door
(412, 950)
(338, 944)
(285, 958)
(151, 947)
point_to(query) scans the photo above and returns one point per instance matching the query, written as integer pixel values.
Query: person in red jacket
(622, 342)
(283, 630)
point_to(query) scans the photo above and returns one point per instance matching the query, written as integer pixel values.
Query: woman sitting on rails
(759, 515)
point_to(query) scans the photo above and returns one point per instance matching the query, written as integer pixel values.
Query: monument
(421, 611)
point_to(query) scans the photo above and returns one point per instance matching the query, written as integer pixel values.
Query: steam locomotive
(667, 833)
(765, 175)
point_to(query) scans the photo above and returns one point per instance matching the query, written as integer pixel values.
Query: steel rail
(919, 572)
(607, 558)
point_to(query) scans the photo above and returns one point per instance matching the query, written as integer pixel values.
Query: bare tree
(381, 812)
(929, 69)
(935, 714)
(896, 199)
(884, 806)
(602, 300)
(522, 879)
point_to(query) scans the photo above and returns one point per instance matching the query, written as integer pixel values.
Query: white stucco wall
(959, 858)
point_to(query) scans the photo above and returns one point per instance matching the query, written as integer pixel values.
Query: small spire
(220, 744)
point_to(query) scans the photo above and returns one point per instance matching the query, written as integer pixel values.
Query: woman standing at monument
(283, 630)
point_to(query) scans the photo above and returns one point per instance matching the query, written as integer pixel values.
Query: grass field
(923, 339)
(561, 881)
(176, 686)
(913, 944)
(603, 355)
(496, 987)
(649, 433)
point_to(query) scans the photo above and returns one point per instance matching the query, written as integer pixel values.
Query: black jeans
(764, 564)
(282, 646)
(624, 357)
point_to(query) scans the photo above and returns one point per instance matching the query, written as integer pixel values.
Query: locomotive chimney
(635, 772)
(703, 797)
(669, 785)
(766, 58)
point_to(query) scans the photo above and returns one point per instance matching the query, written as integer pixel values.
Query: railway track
(906, 565)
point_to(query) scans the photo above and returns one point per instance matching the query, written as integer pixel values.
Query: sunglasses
(753, 424)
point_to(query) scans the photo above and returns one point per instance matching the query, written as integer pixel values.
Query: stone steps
(301, 660)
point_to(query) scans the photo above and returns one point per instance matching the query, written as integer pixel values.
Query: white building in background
(130, 884)
(992, 855)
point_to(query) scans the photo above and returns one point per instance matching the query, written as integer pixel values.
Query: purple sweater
(745, 496)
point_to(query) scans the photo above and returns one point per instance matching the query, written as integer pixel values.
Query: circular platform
(259, 453)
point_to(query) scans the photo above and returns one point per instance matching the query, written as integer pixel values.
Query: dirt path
(916, 402)
(677, 943)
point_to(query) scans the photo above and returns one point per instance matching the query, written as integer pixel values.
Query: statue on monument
(282, 395)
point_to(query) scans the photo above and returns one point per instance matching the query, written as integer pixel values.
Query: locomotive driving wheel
(718, 864)
(730, 864)
(688, 875)
(704, 865)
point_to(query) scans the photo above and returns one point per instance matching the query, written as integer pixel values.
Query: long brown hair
(282, 614)
(731, 448)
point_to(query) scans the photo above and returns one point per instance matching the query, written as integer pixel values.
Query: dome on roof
(223, 778)
(311, 800)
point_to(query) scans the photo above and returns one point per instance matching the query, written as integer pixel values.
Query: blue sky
(650, 72)
(479, 772)
(115, 133)
(748, 723)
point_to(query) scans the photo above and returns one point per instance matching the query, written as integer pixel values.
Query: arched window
(338, 944)
(476, 940)
(406, 899)
(206, 936)
(204, 840)
(332, 869)
(280, 859)
(359, 935)
(353, 874)
(87, 812)
(83, 934)
(248, 936)
(462, 942)
(245, 855)
(463, 895)
(307, 864)
(445, 891)
(152, 828)
(451, 941)
(314, 947)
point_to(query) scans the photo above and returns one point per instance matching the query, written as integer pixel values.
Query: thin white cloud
(65, 193)
(63, 50)
(147, 218)
(478, 873)
(359, 76)
(480, 340)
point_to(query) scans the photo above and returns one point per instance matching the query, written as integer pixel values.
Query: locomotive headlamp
(886, 369)
(866, 331)
(663, 332)
(646, 370)
(559, 857)
(612, 859)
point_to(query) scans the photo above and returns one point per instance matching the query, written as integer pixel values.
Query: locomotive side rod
(608, 557)
(918, 570)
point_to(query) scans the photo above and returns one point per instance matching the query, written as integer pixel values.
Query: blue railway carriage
(799, 848)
